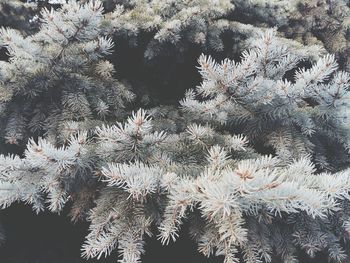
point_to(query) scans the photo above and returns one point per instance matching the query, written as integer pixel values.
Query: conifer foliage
(309, 113)
(255, 159)
(58, 78)
(176, 22)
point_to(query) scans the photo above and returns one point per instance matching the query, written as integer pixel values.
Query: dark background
(52, 238)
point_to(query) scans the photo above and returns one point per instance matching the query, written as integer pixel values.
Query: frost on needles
(58, 79)
(210, 173)
(180, 23)
(175, 26)
(309, 115)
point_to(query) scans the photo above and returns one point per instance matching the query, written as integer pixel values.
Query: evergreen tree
(58, 79)
(322, 22)
(174, 26)
(204, 164)
(306, 116)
